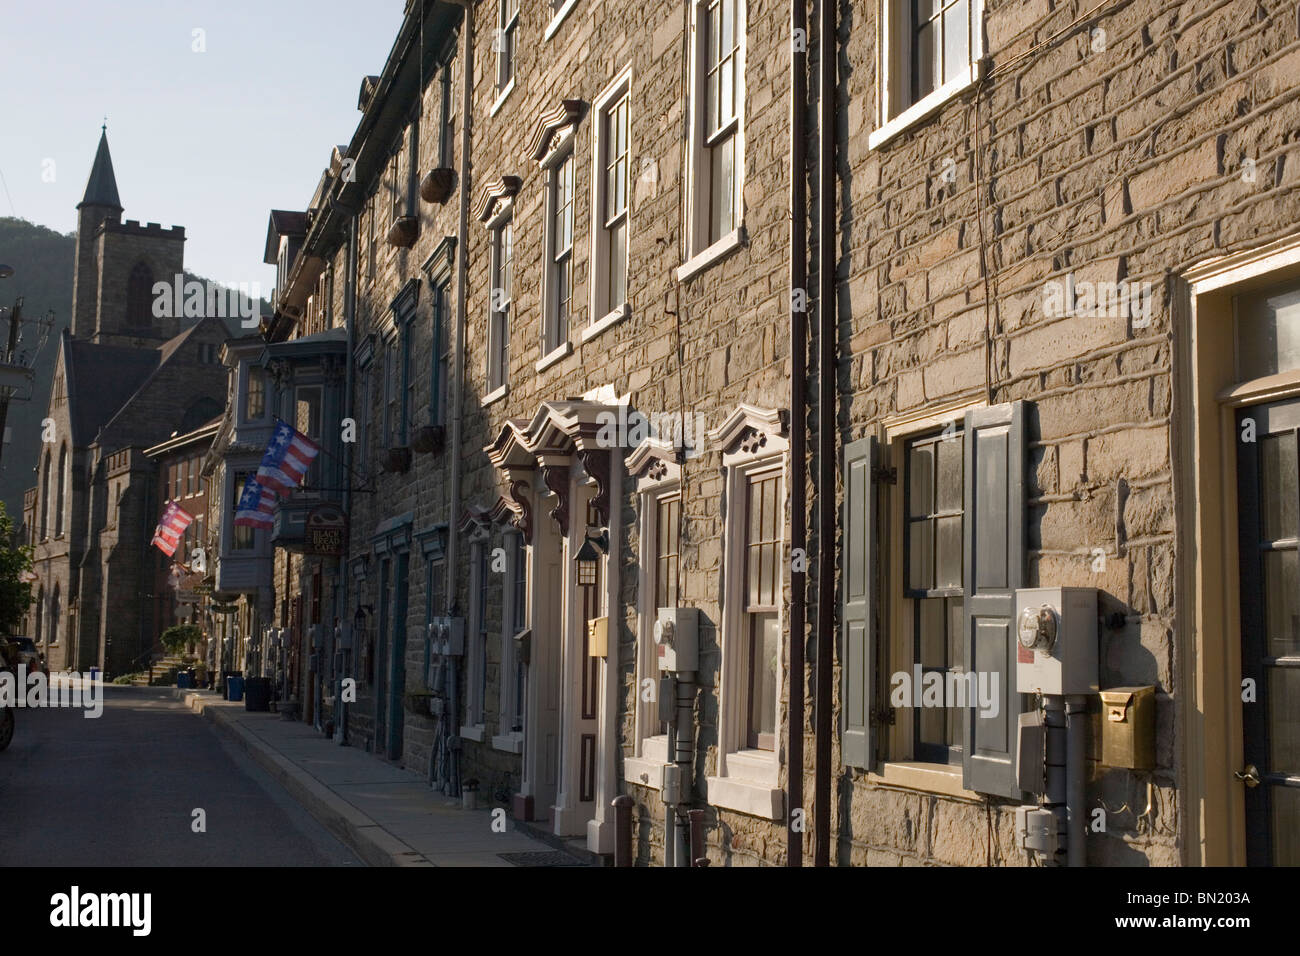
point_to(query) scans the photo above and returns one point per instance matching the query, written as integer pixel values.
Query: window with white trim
(612, 159)
(760, 615)
(498, 370)
(717, 125)
(514, 620)
(476, 676)
(506, 40)
(559, 254)
(665, 527)
(930, 51)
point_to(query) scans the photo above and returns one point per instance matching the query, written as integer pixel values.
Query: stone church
(124, 380)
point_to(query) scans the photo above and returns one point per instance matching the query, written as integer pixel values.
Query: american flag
(167, 535)
(288, 456)
(255, 505)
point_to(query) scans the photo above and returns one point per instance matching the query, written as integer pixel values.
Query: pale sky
(211, 141)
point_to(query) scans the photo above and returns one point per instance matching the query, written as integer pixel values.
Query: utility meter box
(598, 637)
(1056, 640)
(677, 634)
(447, 636)
(1128, 727)
(1037, 829)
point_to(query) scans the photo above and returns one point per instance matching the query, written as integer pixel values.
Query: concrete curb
(366, 838)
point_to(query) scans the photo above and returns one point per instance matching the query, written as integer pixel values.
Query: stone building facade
(569, 252)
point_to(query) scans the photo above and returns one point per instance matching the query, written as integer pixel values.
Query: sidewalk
(386, 815)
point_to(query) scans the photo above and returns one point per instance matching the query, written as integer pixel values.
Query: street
(121, 790)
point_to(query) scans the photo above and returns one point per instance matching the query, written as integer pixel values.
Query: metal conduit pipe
(1076, 717)
(683, 756)
(1054, 721)
(798, 419)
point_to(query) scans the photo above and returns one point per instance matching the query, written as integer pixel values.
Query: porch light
(589, 559)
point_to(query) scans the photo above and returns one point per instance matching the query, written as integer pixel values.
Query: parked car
(23, 650)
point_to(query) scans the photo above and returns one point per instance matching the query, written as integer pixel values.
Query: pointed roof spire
(101, 188)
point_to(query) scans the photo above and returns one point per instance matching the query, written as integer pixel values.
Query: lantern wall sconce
(588, 558)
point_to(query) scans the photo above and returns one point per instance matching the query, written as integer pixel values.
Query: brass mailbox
(598, 637)
(1128, 727)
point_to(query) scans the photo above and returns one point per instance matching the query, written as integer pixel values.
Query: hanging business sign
(327, 531)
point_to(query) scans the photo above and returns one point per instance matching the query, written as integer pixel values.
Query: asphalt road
(120, 790)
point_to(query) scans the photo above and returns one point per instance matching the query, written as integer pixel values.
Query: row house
(712, 371)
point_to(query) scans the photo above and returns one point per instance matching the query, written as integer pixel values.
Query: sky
(209, 140)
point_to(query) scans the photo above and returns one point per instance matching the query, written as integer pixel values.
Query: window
(370, 239)
(178, 480)
(56, 613)
(409, 383)
(762, 627)
(559, 245)
(931, 51)
(498, 371)
(505, 42)
(392, 390)
(139, 297)
(476, 678)
(610, 209)
(446, 126)
(59, 501)
(307, 419)
(255, 396)
(665, 532)
(442, 349)
(396, 192)
(241, 538)
(934, 489)
(45, 498)
(365, 399)
(515, 619)
(1267, 328)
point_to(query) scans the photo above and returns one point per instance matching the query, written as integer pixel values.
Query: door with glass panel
(1268, 471)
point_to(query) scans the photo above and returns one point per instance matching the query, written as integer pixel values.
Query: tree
(15, 565)
(180, 636)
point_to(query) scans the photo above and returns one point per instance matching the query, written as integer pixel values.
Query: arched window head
(139, 297)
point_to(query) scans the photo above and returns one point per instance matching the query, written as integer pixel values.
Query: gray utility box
(1056, 640)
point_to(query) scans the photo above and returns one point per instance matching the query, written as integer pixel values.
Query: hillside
(42, 262)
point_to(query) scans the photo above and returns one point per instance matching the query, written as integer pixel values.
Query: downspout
(456, 386)
(799, 419)
(826, 457)
(350, 317)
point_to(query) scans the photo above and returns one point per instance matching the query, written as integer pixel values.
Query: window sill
(495, 395)
(752, 797)
(553, 356)
(512, 743)
(600, 325)
(501, 98)
(646, 770)
(556, 20)
(475, 733)
(935, 778)
(712, 255)
(926, 106)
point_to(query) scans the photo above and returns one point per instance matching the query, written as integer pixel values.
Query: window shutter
(857, 649)
(994, 567)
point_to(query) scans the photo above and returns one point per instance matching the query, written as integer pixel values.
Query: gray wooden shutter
(857, 651)
(993, 568)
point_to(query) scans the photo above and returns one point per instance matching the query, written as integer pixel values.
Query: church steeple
(101, 188)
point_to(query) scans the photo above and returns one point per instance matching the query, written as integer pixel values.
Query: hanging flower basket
(436, 185)
(404, 232)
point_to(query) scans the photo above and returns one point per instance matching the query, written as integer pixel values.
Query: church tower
(116, 265)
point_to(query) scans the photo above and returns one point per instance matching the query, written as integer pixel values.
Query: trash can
(234, 688)
(94, 673)
(257, 693)
(183, 680)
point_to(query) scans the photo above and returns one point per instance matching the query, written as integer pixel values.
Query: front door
(1269, 500)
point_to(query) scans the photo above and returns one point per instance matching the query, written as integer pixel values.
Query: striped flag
(288, 456)
(167, 535)
(256, 505)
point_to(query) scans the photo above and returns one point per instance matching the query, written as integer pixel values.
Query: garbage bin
(257, 693)
(234, 688)
(183, 680)
(94, 673)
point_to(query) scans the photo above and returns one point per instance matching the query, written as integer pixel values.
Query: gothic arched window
(139, 297)
(59, 500)
(45, 498)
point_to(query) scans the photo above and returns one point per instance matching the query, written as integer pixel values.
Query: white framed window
(559, 10)
(716, 146)
(559, 253)
(308, 411)
(609, 205)
(755, 452)
(499, 301)
(930, 50)
(506, 43)
(255, 395)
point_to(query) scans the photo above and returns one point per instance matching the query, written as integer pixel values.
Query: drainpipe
(685, 746)
(1076, 714)
(350, 318)
(799, 420)
(456, 386)
(826, 457)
